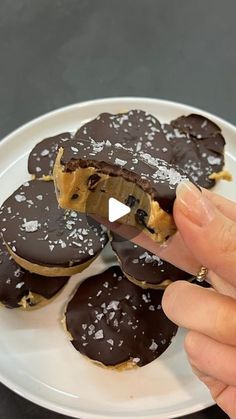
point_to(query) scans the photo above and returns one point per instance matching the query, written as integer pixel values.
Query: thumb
(209, 234)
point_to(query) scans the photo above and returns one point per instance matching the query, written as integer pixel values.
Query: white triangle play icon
(116, 210)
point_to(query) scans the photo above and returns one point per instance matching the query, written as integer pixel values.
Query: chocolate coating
(113, 321)
(37, 230)
(136, 130)
(196, 125)
(198, 147)
(143, 265)
(42, 158)
(154, 176)
(16, 282)
(193, 143)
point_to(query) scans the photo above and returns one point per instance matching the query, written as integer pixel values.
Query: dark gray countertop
(58, 52)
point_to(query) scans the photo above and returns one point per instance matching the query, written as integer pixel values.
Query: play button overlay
(116, 210)
(121, 206)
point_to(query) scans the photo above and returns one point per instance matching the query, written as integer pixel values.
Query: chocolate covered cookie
(198, 148)
(20, 288)
(117, 324)
(135, 130)
(192, 143)
(144, 268)
(87, 174)
(44, 238)
(42, 158)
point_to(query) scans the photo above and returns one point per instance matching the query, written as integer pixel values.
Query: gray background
(54, 53)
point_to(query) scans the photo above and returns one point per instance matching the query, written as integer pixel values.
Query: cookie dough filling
(87, 174)
(117, 324)
(144, 268)
(45, 239)
(193, 143)
(42, 158)
(20, 288)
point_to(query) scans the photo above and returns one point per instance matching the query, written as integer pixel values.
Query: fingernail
(194, 205)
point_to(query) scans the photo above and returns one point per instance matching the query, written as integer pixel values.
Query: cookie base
(49, 270)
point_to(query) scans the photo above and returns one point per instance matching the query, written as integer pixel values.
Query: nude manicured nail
(193, 204)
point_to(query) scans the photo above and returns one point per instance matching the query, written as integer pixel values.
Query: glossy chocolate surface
(42, 158)
(113, 321)
(36, 229)
(143, 265)
(192, 143)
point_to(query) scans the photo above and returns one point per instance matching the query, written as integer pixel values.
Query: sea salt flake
(17, 273)
(111, 315)
(20, 198)
(91, 329)
(145, 298)
(136, 360)
(99, 334)
(204, 124)
(113, 305)
(138, 146)
(115, 323)
(74, 149)
(44, 152)
(110, 341)
(62, 243)
(213, 160)
(120, 162)
(39, 197)
(31, 226)
(153, 346)
(19, 285)
(151, 308)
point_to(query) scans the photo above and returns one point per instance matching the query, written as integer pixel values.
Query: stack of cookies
(114, 318)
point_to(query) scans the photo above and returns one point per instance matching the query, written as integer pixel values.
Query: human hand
(207, 227)
(206, 236)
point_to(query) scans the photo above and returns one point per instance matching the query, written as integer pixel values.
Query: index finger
(202, 310)
(173, 250)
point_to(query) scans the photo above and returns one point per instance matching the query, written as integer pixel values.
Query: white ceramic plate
(36, 359)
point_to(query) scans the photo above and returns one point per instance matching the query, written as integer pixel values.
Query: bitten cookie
(45, 239)
(20, 288)
(144, 268)
(42, 158)
(88, 174)
(117, 324)
(192, 143)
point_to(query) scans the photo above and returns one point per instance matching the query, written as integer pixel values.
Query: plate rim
(72, 412)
